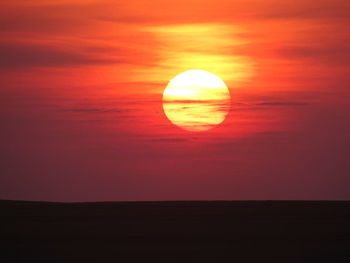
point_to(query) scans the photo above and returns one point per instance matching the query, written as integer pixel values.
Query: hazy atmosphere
(81, 110)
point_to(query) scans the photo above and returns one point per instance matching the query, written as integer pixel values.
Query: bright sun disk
(196, 100)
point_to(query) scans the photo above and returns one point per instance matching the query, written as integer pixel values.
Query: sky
(81, 84)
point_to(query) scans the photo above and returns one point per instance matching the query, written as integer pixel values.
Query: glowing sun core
(196, 100)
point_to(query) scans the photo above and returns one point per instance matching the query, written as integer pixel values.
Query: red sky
(81, 114)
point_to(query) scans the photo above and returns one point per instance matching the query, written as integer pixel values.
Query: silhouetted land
(243, 231)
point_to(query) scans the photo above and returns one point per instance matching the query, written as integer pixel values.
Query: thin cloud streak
(14, 56)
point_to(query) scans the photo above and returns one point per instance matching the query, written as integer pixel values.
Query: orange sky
(83, 80)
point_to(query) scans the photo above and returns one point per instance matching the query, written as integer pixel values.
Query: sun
(196, 100)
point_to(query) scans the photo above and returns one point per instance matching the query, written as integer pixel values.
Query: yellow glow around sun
(196, 100)
(190, 46)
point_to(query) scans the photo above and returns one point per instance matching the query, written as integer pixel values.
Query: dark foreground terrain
(244, 231)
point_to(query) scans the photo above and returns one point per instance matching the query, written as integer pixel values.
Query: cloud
(22, 55)
(62, 15)
(195, 11)
(335, 52)
(95, 110)
(175, 140)
(282, 103)
(251, 102)
(41, 18)
(325, 9)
